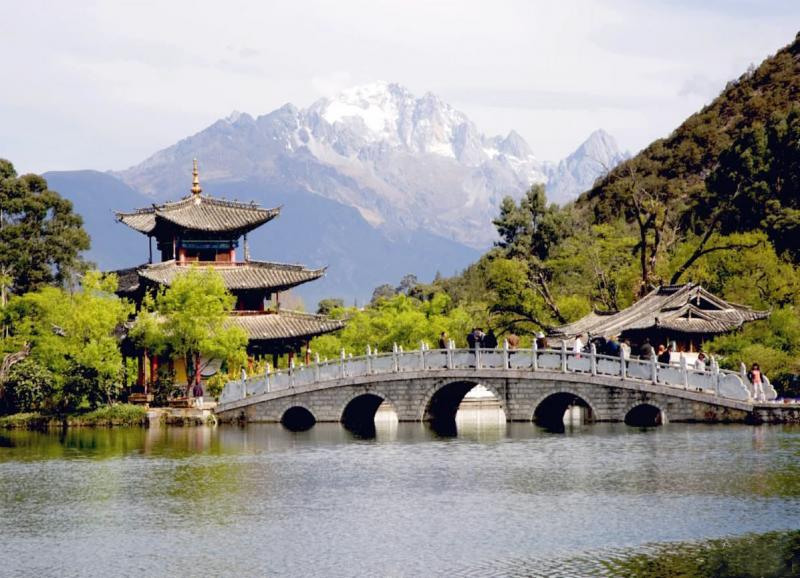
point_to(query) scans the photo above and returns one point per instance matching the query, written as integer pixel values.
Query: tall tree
(188, 320)
(41, 238)
(74, 336)
(528, 232)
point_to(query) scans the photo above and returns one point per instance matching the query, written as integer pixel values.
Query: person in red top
(755, 376)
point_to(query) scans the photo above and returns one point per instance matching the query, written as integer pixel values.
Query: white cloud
(102, 85)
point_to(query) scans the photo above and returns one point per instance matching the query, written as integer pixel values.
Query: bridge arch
(440, 403)
(297, 417)
(549, 409)
(645, 414)
(358, 412)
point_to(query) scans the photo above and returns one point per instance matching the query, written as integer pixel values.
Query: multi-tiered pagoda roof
(204, 231)
(199, 212)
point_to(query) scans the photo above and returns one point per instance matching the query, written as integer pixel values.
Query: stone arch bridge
(529, 384)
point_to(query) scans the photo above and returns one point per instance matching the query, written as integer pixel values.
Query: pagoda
(201, 230)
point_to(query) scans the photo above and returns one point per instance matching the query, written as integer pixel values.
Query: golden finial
(196, 190)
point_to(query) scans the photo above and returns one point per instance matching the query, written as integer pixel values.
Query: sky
(103, 85)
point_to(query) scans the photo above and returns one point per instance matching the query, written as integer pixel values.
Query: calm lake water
(495, 500)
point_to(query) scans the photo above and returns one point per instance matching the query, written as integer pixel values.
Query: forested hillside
(732, 167)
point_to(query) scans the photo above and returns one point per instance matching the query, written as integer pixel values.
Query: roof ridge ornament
(196, 189)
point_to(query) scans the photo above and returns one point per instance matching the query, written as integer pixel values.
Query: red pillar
(308, 352)
(140, 372)
(153, 371)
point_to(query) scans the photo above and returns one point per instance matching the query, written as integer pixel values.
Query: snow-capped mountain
(578, 172)
(405, 163)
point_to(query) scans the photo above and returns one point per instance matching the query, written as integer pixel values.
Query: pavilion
(687, 315)
(205, 231)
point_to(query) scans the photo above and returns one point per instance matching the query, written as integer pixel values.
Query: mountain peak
(597, 155)
(406, 163)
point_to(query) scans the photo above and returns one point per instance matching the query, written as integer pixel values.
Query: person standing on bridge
(646, 350)
(471, 338)
(663, 355)
(490, 341)
(444, 342)
(700, 363)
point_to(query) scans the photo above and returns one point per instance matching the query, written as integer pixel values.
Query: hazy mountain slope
(578, 172)
(405, 163)
(311, 230)
(95, 196)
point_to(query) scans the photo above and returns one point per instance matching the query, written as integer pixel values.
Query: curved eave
(285, 326)
(248, 276)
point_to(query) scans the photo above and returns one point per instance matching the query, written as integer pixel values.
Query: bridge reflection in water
(545, 386)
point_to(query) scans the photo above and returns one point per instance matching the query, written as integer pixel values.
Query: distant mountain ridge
(310, 230)
(405, 163)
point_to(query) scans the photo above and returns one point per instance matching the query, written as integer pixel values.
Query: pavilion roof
(685, 308)
(241, 276)
(201, 213)
(285, 325)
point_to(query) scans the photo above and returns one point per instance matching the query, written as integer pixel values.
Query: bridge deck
(715, 386)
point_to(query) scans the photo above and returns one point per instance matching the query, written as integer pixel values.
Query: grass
(122, 414)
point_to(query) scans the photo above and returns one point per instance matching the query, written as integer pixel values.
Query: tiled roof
(683, 308)
(201, 213)
(285, 325)
(127, 280)
(247, 275)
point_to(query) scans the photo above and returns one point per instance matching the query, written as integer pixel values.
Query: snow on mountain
(577, 173)
(405, 163)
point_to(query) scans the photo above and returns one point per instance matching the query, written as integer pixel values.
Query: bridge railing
(714, 381)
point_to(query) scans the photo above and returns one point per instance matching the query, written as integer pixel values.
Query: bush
(122, 414)
(28, 389)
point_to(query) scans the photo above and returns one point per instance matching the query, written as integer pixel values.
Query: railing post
(505, 354)
(449, 353)
(477, 357)
(316, 367)
(369, 360)
(654, 367)
(684, 372)
(745, 381)
(422, 355)
(563, 356)
(623, 369)
(395, 358)
(341, 363)
(715, 369)
(534, 355)
(291, 373)
(244, 389)
(593, 358)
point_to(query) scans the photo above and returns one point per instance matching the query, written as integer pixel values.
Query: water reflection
(493, 499)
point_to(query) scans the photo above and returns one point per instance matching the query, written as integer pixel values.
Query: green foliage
(28, 389)
(403, 320)
(40, 237)
(188, 319)
(73, 335)
(329, 306)
(120, 414)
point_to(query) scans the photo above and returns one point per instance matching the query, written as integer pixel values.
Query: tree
(328, 306)
(188, 320)
(41, 238)
(528, 232)
(74, 337)
(384, 291)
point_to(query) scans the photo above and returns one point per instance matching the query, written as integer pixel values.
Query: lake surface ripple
(495, 500)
